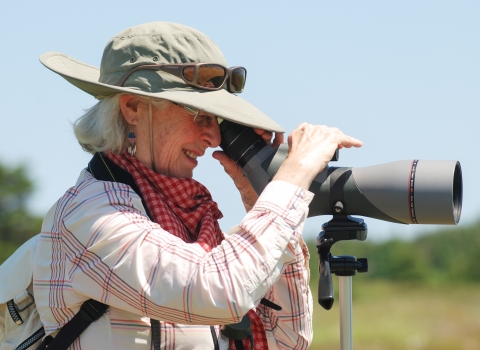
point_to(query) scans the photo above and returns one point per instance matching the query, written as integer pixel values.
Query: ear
(130, 107)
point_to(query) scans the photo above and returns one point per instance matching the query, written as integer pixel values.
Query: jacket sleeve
(291, 327)
(99, 243)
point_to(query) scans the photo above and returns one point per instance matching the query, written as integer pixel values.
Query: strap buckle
(19, 299)
(91, 310)
(238, 332)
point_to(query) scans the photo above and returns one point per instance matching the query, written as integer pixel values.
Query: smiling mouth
(190, 154)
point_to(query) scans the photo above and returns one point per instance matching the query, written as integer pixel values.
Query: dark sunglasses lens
(189, 73)
(211, 76)
(239, 76)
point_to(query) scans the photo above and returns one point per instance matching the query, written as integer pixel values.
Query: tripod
(341, 227)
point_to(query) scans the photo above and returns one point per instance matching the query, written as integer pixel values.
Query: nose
(212, 135)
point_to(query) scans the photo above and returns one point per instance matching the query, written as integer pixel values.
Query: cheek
(169, 144)
(174, 132)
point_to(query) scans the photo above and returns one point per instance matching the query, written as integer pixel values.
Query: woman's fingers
(311, 147)
(321, 136)
(228, 164)
(248, 194)
(267, 137)
(278, 140)
(345, 140)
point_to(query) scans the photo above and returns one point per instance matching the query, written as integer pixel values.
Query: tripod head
(340, 228)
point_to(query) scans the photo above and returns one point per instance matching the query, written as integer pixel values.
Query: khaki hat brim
(220, 103)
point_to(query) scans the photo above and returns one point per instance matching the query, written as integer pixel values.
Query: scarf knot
(182, 206)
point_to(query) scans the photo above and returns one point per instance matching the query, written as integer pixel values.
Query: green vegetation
(399, 315)
(17, 224)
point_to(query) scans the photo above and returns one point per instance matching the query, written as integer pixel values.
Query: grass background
(402, 315)
(419, 294)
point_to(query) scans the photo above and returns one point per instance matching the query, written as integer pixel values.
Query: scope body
(407, 192)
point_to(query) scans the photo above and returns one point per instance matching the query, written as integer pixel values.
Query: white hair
(103, 127)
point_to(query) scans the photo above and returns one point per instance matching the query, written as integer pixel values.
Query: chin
(183, 175)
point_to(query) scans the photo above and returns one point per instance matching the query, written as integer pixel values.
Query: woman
(138, 234)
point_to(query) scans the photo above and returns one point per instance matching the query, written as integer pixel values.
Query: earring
(132, 143)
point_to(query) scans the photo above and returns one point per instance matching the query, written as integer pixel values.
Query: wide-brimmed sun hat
(158, 43)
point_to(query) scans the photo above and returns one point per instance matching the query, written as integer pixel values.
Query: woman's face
(177, 140)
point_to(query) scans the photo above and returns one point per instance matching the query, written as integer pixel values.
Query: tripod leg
(345, 304)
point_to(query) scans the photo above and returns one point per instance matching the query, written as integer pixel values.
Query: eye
(208, 120)
(204, 120)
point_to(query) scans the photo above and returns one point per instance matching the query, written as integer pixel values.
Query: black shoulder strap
(90, 311)
(104, 169)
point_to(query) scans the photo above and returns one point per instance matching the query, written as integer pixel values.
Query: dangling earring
(132, 143)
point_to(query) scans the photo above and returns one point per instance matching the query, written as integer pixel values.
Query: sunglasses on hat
(207, 76)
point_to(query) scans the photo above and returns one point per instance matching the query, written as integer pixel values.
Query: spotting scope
(407, 191)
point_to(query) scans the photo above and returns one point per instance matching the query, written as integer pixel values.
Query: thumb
(230, 167)
(248, 194)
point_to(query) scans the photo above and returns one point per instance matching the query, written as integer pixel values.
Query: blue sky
(401, 76)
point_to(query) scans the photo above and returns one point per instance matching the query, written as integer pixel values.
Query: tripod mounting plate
(340, 228)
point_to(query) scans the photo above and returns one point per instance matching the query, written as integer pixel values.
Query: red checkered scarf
(184, 208)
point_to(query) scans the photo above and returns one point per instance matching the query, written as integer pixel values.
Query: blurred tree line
(448, 255)
(17, 223)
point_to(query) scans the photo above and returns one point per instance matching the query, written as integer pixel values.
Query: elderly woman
(138, 234)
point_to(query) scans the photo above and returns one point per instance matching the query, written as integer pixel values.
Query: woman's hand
(248, 194)
(311, 147)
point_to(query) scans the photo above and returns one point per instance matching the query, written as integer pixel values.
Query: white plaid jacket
(97, 242)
